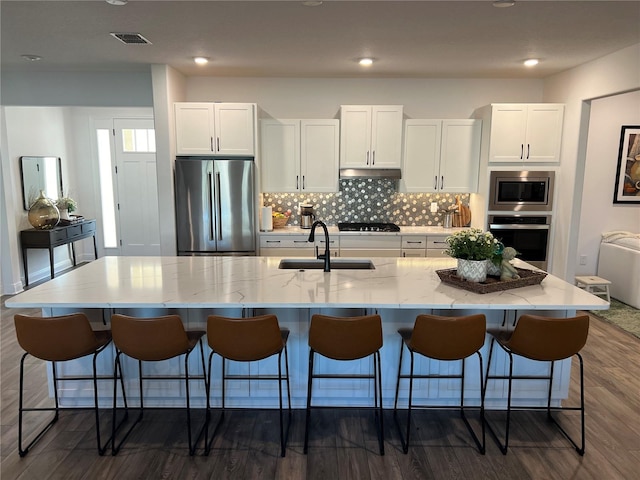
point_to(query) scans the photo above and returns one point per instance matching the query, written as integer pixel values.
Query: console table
(55, 237)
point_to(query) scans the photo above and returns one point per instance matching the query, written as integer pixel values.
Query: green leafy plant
(472, 244)
(67, 203)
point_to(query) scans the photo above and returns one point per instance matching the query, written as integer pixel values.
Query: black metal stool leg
(23, 451)
(308, 412)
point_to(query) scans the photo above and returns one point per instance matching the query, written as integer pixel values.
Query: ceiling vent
(131, 38)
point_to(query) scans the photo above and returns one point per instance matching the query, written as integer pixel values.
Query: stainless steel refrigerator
(215, 207)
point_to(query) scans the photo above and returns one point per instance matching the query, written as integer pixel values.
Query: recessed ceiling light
(312, 3)
(117, 2)
(531, 62)
(503, 3)
(201, 60)
(366, 62)
(31, 58)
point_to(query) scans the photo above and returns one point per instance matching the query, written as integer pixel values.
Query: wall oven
(528, 234)
(521, 191)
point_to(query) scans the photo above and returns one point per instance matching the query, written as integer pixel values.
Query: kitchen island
(398, 289)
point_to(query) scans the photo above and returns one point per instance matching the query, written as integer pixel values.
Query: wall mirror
(40, 173)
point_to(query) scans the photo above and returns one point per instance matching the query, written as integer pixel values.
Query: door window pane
(141, 140)
(106, 189)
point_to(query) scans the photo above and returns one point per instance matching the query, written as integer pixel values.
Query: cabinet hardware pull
(303, 187)
(419, 243)
(521, 150)
(218, 141)
(273, 241)
(528, 150)
(373, 158)
(367, 157)
(435, 182)
(211, 141)
(297, 184)
(441, 182)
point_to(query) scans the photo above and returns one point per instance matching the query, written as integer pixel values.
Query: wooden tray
(492, 284)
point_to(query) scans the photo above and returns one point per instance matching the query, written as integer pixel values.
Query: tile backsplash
(367, 200)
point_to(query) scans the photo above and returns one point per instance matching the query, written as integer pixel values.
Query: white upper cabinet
(441, 156)
(370, 136)
(526, 132)
(215, 128)
(299, 155)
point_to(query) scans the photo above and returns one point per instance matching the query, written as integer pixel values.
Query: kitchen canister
(266, 220)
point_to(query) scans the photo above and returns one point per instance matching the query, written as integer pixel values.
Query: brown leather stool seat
(59, 339)
(248, 340)
(444, 339)
(545, 339)
(345, 339)
(151, 340)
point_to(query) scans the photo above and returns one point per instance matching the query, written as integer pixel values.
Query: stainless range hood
(393, 173)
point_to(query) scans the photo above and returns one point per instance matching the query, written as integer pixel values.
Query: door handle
(219, 219)
(211, 202)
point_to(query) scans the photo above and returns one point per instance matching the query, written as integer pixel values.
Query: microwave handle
(511, 226)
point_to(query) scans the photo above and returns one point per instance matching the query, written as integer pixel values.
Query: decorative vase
(493, 269)
(43, 213)
(64, 214)
(472, 270)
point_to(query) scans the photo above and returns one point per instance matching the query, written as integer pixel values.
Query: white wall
(321, 98)
(65, 132)
(37, 131)
(613, 74)
(598, 212)
(104, 89)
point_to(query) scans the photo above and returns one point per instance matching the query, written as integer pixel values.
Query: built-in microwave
(521, 191)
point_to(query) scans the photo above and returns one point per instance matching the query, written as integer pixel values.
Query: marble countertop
(333, 230)
(256, 282)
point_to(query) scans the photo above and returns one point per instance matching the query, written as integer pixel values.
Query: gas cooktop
(368, 227)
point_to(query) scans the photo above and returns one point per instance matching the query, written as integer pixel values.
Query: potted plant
(474, 249)
(66, 205)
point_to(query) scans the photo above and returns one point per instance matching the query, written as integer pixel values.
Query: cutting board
(463, 214)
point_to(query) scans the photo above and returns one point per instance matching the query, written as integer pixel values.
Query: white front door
(137, 192)
(128, 186)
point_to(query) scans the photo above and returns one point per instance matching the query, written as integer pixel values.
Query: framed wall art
(627, 188)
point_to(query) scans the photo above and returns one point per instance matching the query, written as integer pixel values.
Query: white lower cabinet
(436, 246)
(414, 246)
(370, 246)
(286, 246)
(296, 245)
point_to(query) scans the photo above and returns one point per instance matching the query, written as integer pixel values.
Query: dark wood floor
(343, 441)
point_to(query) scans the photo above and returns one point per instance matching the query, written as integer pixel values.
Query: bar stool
(543, 339)
(248, 340)
(344, 339)
(444, 339)
(59, 339)
(151, 340)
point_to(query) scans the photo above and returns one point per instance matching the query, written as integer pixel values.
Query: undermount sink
(336, 264)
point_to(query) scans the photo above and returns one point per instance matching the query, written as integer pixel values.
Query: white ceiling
(420, 38)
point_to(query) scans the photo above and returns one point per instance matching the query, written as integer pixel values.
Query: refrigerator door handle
(211, 219)
(219, 206)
